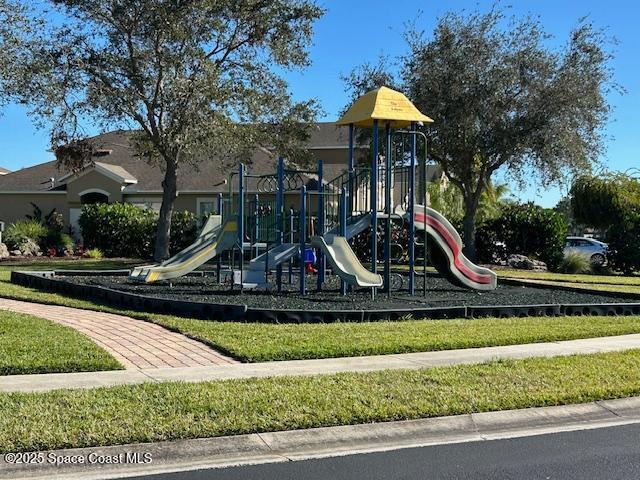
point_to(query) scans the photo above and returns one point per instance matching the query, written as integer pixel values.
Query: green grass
(17, 292)
(572, 278)
(266, 342)
(33, 345)
(166, 411)
(602, 287)
(253, 342)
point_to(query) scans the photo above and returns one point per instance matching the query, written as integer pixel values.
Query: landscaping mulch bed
(439, 294)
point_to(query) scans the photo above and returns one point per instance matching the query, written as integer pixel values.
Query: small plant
(574, 262)
(66, 243)
(19, 232)
(93, 253)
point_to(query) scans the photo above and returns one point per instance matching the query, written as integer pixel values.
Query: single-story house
(118, 174)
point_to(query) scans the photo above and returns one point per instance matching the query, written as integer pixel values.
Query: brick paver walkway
(134, 343)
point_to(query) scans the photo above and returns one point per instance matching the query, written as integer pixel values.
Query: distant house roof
(4, 171)
(118, 157)
(118, 160)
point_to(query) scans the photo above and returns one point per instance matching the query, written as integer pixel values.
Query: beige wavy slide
(344, 262)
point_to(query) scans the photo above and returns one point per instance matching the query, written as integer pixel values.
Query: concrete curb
(298, 445)
(46, 382)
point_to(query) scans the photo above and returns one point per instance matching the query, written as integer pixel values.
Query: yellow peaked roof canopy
(384, 105)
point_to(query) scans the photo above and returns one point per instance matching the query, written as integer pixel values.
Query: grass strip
(166, 411)
(253, 342)
(572, 278)
(602, 287)
(30, 344)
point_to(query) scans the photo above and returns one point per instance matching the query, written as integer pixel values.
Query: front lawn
(255, 342)
(34, 345)
(166, 411)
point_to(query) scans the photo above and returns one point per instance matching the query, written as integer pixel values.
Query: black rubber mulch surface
(440, 294)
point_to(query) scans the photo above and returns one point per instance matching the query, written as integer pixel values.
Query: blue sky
(355, 31)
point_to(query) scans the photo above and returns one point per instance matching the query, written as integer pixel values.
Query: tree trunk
(469, 226)
(169, 194)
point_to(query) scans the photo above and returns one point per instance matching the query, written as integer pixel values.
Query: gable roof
(4, 171)
(115, 172)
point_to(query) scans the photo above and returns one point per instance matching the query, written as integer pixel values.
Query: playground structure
(393, 188)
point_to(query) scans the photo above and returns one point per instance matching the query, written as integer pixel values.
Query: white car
(594, 250)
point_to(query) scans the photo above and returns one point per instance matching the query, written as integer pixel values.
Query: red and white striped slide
(445, 248)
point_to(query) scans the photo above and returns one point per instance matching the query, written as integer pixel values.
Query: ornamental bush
(611, 202)
(184, 229)
(124, 230)
(524, 229)
(23, 230)
(118, 229)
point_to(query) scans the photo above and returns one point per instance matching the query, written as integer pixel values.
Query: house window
(146, 203)
(93, 197)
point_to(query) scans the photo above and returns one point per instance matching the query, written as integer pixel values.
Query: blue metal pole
(387, 210)
(241, 219)
(374, 200)
(411, 210)
(321, 224)
(219, 260)
(291, 240)
(303, 236)
(256, 220)
(280, 217)
(350, 166)
(344, 199)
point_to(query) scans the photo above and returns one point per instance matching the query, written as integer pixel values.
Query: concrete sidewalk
(33, 383)
(296, 445)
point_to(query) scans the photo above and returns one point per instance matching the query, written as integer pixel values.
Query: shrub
(612, 202)
(55, 239)
(118, 229)
(124, 230)
(184, 229)
(525, 229)
(574, 262)
(623, 238)
(19, 232)
(93, 253)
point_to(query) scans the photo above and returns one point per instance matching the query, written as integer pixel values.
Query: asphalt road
(604, 453)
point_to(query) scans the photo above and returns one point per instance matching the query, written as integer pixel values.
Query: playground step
(255, 275)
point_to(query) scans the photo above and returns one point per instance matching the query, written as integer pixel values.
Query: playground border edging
(45, 280)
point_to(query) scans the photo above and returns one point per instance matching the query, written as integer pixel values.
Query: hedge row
(611, 202)
(124, 230)
(524, 229)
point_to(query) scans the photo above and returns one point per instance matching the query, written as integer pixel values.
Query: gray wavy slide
(214, 238)
(344, 261)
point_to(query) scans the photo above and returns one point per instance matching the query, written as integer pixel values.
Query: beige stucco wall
(93, 181)
(15, 206)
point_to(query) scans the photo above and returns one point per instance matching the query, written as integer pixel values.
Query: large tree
(502, 98)
(193, 78)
